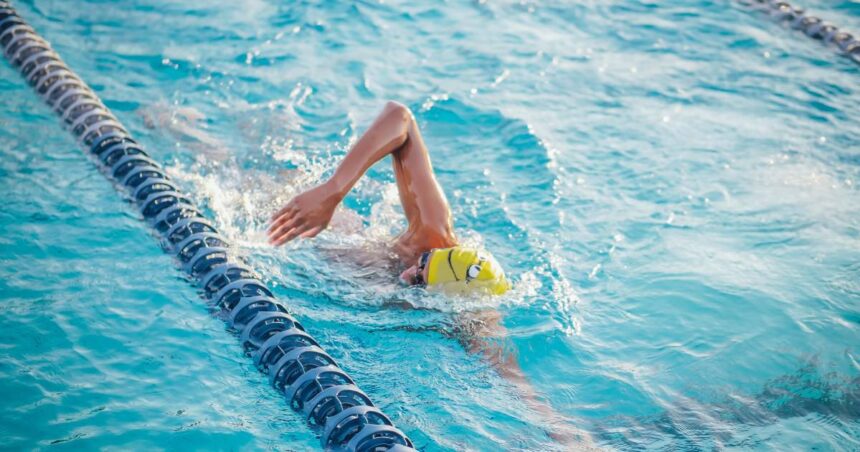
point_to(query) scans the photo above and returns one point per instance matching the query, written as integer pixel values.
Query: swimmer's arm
(482, 333)
(393, 132)
(309, 213)
(388, 133)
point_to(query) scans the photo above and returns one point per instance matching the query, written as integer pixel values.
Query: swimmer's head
(459, 269)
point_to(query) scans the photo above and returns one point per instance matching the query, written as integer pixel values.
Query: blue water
(671, 185)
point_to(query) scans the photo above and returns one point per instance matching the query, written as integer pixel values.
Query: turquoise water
(671, 185)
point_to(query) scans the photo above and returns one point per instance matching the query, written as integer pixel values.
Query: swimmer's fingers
(282, 215)
(282, 231)
(283, 239)
(291, 234)
(274, 230)
(280, 222)
(289, 209)
(300, 231)
(286, 233)
(312, 232)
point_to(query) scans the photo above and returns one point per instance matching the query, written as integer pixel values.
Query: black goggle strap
(422, 262)
(450, 265)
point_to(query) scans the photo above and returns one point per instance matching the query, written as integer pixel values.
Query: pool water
(672, 187)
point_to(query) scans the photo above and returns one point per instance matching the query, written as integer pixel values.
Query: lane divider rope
(814, 27)
(311, 381)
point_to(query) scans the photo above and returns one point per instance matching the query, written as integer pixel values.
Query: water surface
(671, 185)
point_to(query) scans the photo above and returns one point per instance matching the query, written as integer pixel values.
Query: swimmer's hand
(304, 216)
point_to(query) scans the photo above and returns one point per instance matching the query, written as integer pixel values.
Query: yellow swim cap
(466, 269)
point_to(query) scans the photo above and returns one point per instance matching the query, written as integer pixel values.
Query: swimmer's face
(417, 274)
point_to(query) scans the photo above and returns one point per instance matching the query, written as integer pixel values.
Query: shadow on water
(825, 398)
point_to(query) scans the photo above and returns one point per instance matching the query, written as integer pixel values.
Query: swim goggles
(422, 263)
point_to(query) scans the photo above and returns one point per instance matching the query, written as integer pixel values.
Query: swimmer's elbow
(400, 111)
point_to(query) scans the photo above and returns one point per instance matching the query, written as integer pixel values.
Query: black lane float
(312, 382)
(810, 25)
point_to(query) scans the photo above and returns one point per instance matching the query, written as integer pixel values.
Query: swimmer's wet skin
(429, 246)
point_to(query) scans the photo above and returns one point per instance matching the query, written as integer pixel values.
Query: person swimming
(428, 248)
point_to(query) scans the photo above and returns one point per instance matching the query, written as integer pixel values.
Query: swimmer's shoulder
(411, 244)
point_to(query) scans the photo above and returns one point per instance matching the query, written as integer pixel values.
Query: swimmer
(428, 248)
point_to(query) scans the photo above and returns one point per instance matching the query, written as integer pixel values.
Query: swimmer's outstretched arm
(393, 132)
(482, 333)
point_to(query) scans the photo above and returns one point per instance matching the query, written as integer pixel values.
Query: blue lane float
(309, 378)
(811, 26)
